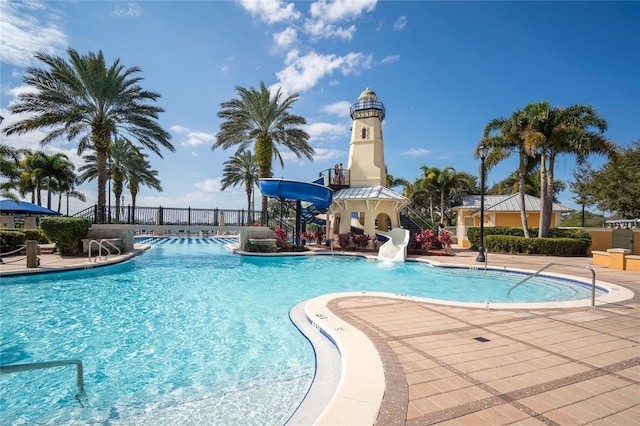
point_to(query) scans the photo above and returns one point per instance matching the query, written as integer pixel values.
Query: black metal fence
(171, 216)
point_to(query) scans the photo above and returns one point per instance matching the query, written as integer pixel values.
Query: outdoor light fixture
(483, 151)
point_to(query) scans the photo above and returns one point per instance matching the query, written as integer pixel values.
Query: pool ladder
(101, 246)
(593, 277)
(17, 368)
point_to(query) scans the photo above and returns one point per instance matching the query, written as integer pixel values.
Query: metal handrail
(101, 246)
(593, 277)
(17, 368)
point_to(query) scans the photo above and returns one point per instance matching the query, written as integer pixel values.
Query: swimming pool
(189, 332)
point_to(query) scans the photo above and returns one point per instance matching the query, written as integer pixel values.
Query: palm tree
(141, 173)
(505, 137)
(32, 176)
(126, 165)
(263, 118)
(552, 131)
(84, 99)
(53, 169)
(393, 181)
(241, 169)
(10, 170)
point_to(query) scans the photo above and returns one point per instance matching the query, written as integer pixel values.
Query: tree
(126, 165)
(552, 131)
(85, 100)
(615, 187)
(241, 169)
(393, 181)
(142, 174)
(10, 170)
(505, 137)
(54, 169)
(263, 118)
(581, 189)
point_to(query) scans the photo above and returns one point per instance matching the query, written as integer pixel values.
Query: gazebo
(10, 209)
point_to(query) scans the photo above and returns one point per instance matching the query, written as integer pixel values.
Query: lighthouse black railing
(367, 108)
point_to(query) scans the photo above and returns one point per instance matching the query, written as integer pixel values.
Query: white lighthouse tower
(366, 149)
(366, 202)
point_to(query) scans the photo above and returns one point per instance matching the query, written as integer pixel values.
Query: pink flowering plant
(430, 240)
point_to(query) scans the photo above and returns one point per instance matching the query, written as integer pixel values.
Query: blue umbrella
(22, 207)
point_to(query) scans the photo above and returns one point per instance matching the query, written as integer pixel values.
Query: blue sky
(442, 69)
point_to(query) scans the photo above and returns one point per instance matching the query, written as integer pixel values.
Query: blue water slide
(318, 195)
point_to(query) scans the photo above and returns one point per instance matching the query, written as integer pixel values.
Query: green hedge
(546, 246)
(9, 239)
(66, 232)
(539, 245)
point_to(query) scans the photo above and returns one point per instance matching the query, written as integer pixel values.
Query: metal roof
(507, 203)
(377, 192)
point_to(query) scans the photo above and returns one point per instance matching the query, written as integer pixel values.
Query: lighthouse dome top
(368, 94)
(367, 106)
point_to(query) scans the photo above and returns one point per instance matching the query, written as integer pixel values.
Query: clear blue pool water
(192, 334)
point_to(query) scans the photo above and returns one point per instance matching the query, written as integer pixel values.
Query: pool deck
(460, 365)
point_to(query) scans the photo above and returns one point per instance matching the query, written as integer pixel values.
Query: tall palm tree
(84, 99)
(10, 159)
(505, 137)
(140, 173)
(126, 165)
(552, 131)
(55, 168)
(241, 169)
(32, 176)
(263, 118)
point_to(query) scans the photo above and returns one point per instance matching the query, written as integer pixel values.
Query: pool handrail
(593, 277)
(17, 368)
(101, 246)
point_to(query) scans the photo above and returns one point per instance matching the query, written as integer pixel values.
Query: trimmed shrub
(66, 232)
(11, 240)
(554, 233)
(546, 246)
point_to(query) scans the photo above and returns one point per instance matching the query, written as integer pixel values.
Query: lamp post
(122, 209)
(483, 150)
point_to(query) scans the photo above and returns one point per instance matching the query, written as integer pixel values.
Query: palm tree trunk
(521, 186)
(263, 155)
(543, 231)
(548, 207)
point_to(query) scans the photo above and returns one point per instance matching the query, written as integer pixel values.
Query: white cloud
(24, 33)
(303, 72)
(129, 10)
(400, 23)
(209, 185)
(340, 109)
(286, 38)
(418, 152)
(322, 130)
(271, 11)
(193, 138)
(225, 69)
(390, 59)
(320, 29)
(338, 10)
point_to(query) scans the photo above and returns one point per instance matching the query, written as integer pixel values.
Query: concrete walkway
(465, 366)
(469, 366)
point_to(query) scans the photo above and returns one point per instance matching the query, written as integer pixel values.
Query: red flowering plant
(445, 239)
(282, 240)
(307, 236)
(361, 240)
(343, 240)
(426, 239)
(318, 235)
